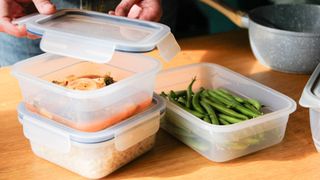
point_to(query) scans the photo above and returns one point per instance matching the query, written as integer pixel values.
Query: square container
(84, 43)
(97, 154)
(91, 110)
(217, 142)
(310, 98)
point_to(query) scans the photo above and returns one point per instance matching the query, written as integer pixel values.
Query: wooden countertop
(294, 158)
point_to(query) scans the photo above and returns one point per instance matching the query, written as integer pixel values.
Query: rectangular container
(91, 110)
(222, 143)
(92, 155)
(310, 98)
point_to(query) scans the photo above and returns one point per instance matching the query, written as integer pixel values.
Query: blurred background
(194, 18)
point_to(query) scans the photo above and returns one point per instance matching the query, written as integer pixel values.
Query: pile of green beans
(215, 106)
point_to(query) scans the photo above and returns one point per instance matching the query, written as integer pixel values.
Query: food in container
(223, 143)
(83, 43)
(90, 110)
(215, 106)
(87, 82)
(96, 154)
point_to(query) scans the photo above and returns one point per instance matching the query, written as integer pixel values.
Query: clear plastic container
(91, 110)
(223, 143)
(310, 98)
(92, 155)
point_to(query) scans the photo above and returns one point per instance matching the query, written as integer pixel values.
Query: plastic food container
(310, 98)
(84, 43)
(222, 143)
(92, 155)
(87, 110)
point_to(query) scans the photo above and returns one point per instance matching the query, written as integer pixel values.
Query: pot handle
(238, 17)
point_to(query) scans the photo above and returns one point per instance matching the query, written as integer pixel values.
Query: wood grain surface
(294, 158)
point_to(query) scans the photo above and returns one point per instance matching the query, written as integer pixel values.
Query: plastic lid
(95, 36)
(311, 93)
(59, 137)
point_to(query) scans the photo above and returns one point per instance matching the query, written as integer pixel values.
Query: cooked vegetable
(210, 111)
(87, 82)
(215, 106)
(195, 102)
(229, 119)
(225, 110)
(190, 93)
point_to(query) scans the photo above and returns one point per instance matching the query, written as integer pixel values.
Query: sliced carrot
(30, 107)
(143, 105)
(128, 110)
(102, 124)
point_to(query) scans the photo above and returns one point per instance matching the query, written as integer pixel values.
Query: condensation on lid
(95, 36)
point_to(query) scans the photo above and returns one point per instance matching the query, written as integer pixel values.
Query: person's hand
(149, 10)
(11, 9)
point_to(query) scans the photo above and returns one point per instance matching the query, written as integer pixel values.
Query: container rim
(77, 94)
(283, 32)
(309, 98)
(92, 137)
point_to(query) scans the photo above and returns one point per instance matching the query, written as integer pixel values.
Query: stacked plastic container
(95, 154)
(311, 99)
(217, 142)
(92, 132)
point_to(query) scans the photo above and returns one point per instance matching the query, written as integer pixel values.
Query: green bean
(195, 102)
(215, 100)
(227, 95)
(224, 109)
(237, 98)
(222, 99)
(180, 93)
(210, 111)
(229, 118)
(204, 93)
(246, 111)
(195, 113)
(253, 109)
(172, 96)
(255, 103)
(182, 100)
(233, 104)
(223, 121)
(207, 119)
(189, 93)
(225, 91)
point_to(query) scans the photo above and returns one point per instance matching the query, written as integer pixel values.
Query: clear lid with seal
(311, 93)
(95, 36)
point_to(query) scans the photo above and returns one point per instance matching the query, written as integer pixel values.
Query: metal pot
(284, 37)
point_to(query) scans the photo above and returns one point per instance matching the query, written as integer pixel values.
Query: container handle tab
(133, 134)
(168, 47)
(37, 131)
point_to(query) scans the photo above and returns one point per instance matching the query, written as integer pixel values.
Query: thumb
(44, 6)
